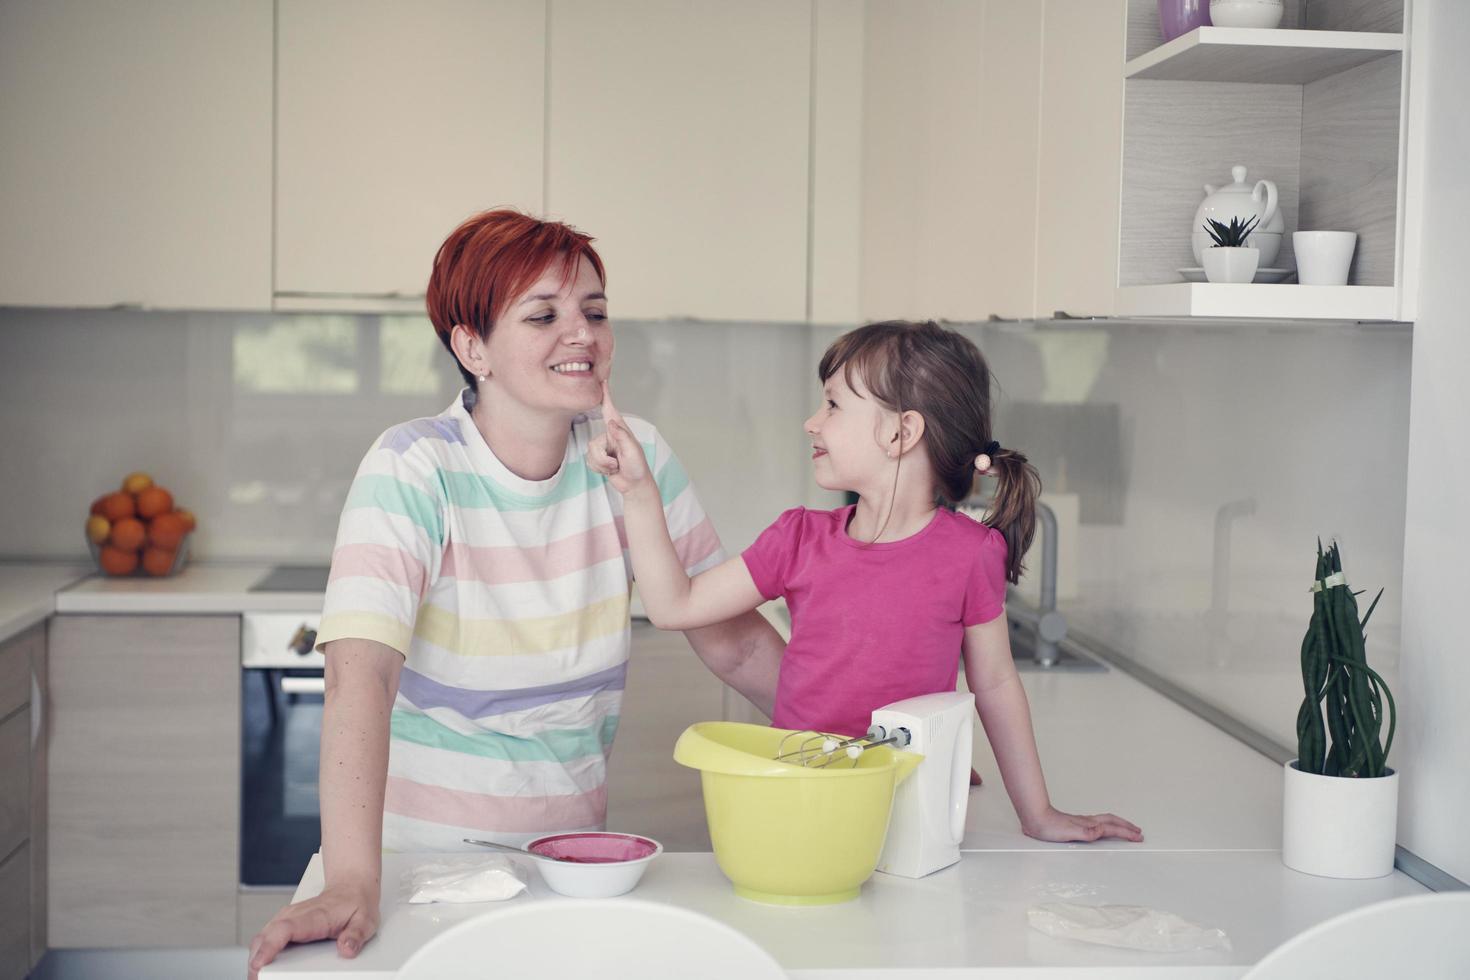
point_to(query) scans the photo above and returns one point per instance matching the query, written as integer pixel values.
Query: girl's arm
(1006, 715)
(671, 598)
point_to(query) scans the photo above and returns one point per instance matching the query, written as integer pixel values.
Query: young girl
(889, 594)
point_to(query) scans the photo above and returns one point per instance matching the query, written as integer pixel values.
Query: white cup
(1323, 257)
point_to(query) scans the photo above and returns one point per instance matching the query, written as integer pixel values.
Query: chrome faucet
(1051, 625)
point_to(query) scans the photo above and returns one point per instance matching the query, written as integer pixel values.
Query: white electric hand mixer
(928, 817)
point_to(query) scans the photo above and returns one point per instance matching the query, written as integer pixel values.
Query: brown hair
(936, 372)
(492, 258)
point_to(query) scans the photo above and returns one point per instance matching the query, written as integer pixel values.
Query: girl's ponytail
(1013, 508)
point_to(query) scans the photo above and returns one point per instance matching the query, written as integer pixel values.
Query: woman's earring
(483, 377)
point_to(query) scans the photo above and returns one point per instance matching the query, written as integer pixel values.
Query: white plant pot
(1337, 826)
(1231, 264)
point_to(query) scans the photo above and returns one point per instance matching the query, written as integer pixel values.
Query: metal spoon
(522, 851)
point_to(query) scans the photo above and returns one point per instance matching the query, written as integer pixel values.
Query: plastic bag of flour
(487, 878)
(1124, 926)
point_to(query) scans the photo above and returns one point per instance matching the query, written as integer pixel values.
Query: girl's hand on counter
(348, 913)
(1054, 825)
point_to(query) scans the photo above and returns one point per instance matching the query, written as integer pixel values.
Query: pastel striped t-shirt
(509, 600)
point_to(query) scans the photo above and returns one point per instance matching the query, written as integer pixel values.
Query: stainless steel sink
(1065, 657)
(294, 578)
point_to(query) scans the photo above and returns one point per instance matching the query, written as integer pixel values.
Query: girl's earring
(483, 377)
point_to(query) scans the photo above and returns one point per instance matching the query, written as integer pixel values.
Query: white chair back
(1423, 937)
(609, 939)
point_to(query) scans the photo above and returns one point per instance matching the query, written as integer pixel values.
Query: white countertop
(967, 921)
(1109, 743)
(28, 592)
(202, 587)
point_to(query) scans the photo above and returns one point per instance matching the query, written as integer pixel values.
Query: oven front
(280, 726)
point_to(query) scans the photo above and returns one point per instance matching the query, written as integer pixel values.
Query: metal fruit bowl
(181, 558)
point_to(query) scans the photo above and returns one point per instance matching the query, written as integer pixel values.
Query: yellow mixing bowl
(784, 833)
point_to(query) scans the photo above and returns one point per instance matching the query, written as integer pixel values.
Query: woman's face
(552, 347)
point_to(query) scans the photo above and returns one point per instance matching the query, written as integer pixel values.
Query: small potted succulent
(1341, 799)
(1229, 259)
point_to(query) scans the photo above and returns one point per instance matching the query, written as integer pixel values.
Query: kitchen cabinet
(990, 153)
(949, 157)
(678, 135)
(395, 122)
(144, 759)
(22, 802)
(137, 154)
(1081, 111)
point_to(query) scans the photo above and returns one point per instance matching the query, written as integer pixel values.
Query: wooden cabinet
(395, 122)
(15, 896)
(144, 780)
(22, 800)
(1081, 138)
(949, 158)
(137, 154)
(678, 136)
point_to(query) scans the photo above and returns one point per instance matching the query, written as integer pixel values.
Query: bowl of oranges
(137, 530)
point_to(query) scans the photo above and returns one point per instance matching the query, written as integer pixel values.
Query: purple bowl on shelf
(1179, 17)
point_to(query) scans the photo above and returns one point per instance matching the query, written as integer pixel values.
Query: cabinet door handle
(303, 685)
(38, 707)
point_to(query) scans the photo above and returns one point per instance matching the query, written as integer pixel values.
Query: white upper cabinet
(1081, 111)
(395, 122)
(678, 135)
(949, 152)
(136, 164)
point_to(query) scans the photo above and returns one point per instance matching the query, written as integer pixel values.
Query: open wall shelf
(1266, 57)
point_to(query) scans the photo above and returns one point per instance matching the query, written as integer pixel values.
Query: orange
(137, 482)
(166, 531)
(97, 505)
(153, 501)
(98, 528)
(128, 534)
(115, 561)
(158, 561)
(117, 505)
(188, 518)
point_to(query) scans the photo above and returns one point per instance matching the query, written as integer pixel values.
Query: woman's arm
(745, 653)
(362, 683)
(1006, 714)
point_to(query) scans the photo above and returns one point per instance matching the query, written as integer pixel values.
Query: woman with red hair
(476, 624)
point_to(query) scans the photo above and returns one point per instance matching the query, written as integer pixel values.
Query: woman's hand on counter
(1054, 825)
(347, 913)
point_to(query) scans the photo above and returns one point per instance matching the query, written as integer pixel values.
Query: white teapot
(1243, 201)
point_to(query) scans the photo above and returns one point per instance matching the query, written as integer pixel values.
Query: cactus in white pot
(1229, 260)
(1341, 798)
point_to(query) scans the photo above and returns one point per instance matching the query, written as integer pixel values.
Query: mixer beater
(818, 750)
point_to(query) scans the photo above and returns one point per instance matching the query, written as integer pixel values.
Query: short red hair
(491, 259)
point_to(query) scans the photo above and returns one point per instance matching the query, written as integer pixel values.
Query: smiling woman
(476, 622)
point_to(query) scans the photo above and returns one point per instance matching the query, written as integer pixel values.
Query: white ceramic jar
(1246, 13)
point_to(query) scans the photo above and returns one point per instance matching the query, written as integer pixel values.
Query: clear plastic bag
(1124, 926)
(481, 878)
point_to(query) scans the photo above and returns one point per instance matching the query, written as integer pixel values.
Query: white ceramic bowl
(1246, 13)
(601, 864)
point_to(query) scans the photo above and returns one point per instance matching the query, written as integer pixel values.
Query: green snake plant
(1345, 698)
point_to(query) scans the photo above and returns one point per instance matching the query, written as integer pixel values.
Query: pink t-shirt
(873, 623)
